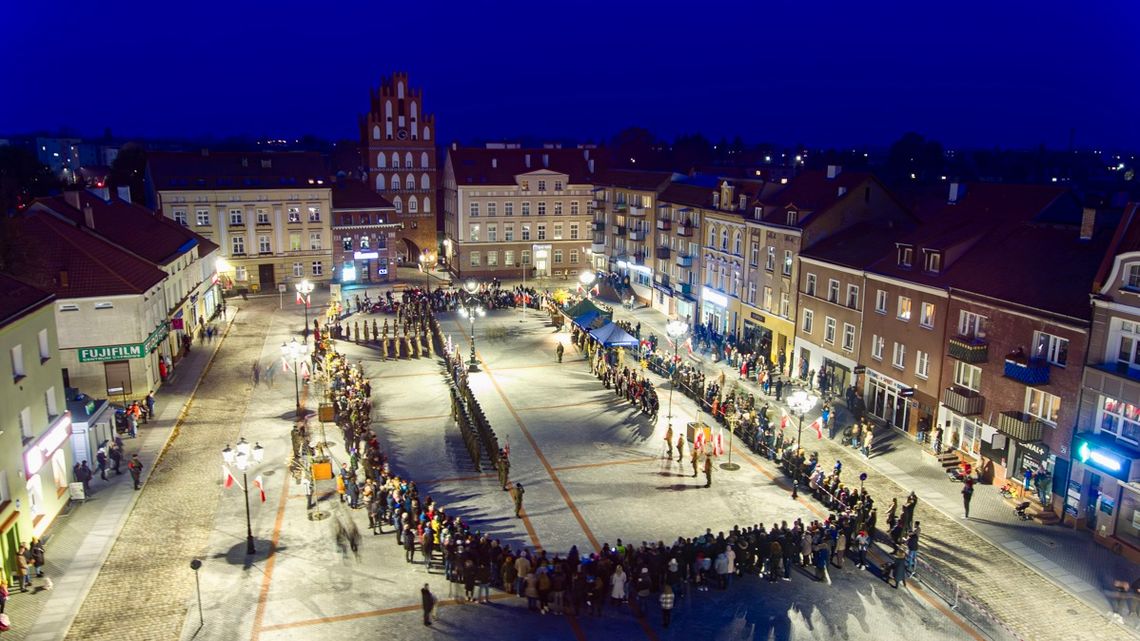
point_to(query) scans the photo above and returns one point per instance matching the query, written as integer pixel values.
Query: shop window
(1119, 419)
(35, 496)
(118, 377)
(59, 469)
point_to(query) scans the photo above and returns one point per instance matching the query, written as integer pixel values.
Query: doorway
(265, 276)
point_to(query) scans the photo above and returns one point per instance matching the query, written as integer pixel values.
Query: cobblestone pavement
(141, 590)
(1036, 608)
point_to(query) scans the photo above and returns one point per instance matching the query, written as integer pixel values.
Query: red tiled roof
(688, 195)
(19, 299)
(634, 179)
(474, 166)
(858, 246)
(236, 170)
(93, 266)
(353, 194)
(812, 191)
(1125, 239)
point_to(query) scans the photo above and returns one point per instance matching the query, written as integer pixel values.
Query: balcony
(598, 248)
(685, 230)
(685, 288)
(663, 253)
(599, 225)
(637, 235)
(1030, 371)
(619, 230)
(964, 401)
(661, 279)
(1020, 426)
(664, 225)
(598, 205)
(637, 258)
(969, 349)
(620, 208)
(638, 212)
(684, 261)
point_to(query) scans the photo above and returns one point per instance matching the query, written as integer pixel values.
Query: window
(492, 259)
(202, 217)
(262, 216)
(573, 207)
(809, 289)
(508, 232)
(542, 209)
(922, 364)
(526, 231)
(492, 209)
(848, 337)
(1120, 419)
(26, 430)
(413, 204)
(263, 244)
(737, 244)
(809, 320)
(724, 240)
(1132, 277)
(298, 270)
(558, 208)
(751, 293)
(473, 233)
(294, 241)
(881, 301)
(877, 343)
(793, 217)
(573, 256)
(314, 214)
(770, 261)
(50, 403)
(237, 245)
(898, 358)
(1042, 405)
(853, 296)
(542, 231)
(18, 370)
(542, 185)
(473, 209)
(926, 318)
(832, 290)
(971, 325)
(558, 256)
(474, 255)
(787, 262)
(241, 273)
(968, 376)
(314, 240)
(904, 308)
(235, 217)
(557, 231)
(524, 256)
(509, 208)
(45, 348)
(785, 304)
(767, 302)
(906, 255)
(829, 330)
(557, 185)
(932, 262)
(318, 268)
(180, 216)
(526, 209)
(294, 214)
(573, 231)
(346, 244)
(492, 234)
(1051, 348)
(754, 255)
(423, 158)
(509, 258)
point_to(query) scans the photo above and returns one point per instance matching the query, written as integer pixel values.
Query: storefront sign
(366, 255)
(123, 352)
(714, 297)
(756, 317)
(1101, 458)
(860, 369)
(1073, 498)
(50, 441)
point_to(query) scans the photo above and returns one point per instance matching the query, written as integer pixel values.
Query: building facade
(636, 244)
(680, 211)
(268, 212)
(399, 152)
(363, 232)
(517, 212)
(35, 464)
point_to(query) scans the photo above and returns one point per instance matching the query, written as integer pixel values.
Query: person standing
(862, 542)
(669, 442)
(680, 447)
(967, 495)
(150, 404)
(912, 548)
(518, 496)
(135, 467)
(693, 460)
(83, 475)
(427, 599)
(559, 350)
(116, 454)
(504, 471)
(101, 463)
(708, 471)
(868, 441)
(3, 595)
(22, 571)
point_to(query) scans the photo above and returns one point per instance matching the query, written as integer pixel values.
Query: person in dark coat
(135, 467)
(428, 601)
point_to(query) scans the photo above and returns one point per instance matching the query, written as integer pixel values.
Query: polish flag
(817, 425)
(260, 487)
(718, 443)
(699, 440)
(784, 422)
(304, 369)
(507, 448)
(228, 477)
(689, 345)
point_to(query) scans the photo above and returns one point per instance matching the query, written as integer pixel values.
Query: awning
(610, 335)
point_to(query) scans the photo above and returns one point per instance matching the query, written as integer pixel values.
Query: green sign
(123, 352)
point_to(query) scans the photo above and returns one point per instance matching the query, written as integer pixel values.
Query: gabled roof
(475, 166)
(812, 191)
(349, 194)
(133, 227)
(858, 246)
(688, 195)
(634, 179)
(169, 171)
(72, 262)
(20, 299)
(1125, 239)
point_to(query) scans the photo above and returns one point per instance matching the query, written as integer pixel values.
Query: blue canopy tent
(590, 320)
(610, 335)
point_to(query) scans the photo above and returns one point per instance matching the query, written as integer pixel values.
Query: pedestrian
(862, 541)
(867, 443)
(504, 471)
(255, 373)
(3, 595)
(559, 350)
(518, 496)
(644, 586)
(967, 495)
(840, 548)
(83, 475)
(135, 467)
(23, 572)
(428, 600)
(708, 471)
(617, 586)
(898, 570)
(409, 544)
(669, 442)
(693, 460)
(779, 388)
(150, 404)
(101, 462)
(912, 548)
(307, 486)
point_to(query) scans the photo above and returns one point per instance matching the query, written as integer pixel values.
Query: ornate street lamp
(243, 457)
(296, 352)
(676, 330)
(304, 288)
(469, 310)
(800, 403)
(587, 279)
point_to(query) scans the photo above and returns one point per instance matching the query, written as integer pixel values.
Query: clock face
(402, 133)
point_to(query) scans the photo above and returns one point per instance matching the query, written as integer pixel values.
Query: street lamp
(304, 288)
(676, 329)
(243, 458)
(295, 352)
(469, 310)
(800, 402)
(730, 466)
(587, 279)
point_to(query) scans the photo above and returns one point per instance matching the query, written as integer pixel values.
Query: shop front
(714, 310)
(1102, 493)
(888, 400)
(755, 338)
(125, 368)
(92, 424)
(47, 471)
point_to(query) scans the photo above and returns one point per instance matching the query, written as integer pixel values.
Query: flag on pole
(507, 447)
(299, 298)
(304, 367)
(285, 365)
(228, 477)
(817, 425)
(718, 443)
(689, 345)
(699, 440)
(784, 422)
(260, 487)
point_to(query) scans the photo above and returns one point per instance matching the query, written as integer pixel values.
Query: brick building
(363, 230)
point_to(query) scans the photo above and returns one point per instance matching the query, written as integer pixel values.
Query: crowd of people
(608, 365)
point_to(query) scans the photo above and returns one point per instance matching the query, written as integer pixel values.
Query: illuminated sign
(366, 255)
(348, 273)
(121, 352)
(1098, 458)
(46, 445)
(714, 297)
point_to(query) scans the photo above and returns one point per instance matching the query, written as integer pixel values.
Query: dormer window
(793, 217)
(906, 256)
(743, 202)
(716, 200)
(1132, 276)
(932, 262)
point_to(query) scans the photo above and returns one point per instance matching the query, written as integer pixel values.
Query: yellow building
(35, 460)
(269, 212)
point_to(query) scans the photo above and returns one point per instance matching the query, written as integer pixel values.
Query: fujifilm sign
(110, 353)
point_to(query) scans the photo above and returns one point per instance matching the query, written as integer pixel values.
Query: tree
(912, 154)
(633, 147)
(22, 178)
(129, 170)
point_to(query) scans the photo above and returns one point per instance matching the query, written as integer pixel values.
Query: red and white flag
(285, 367)
(699, 440)
(507, 448)
(689, 345)
(227, 477)
(817, 425)
(304, 367)
(260, 487)
(718, 443)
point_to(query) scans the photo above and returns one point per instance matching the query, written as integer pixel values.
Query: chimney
(1088, 223)
(842, 191)
(527, 161)
(454, 146)
(102, 192)
(494, 163)
(63, 282)
(545, 160)
(833, 171)
(89, 216)
(957, 192)
(71, 197)
(124, 193)
(590, 163)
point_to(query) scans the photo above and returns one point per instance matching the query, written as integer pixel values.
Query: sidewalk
(1062, 557)
(81, 538)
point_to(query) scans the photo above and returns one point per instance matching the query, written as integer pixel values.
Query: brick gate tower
(398, 144)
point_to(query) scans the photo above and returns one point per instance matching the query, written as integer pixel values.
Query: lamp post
(587, 279)
(295, 352)
(304, 288)
(243, 458)
(730, 466)
(800, 402)
(676, 330)
(469, 310)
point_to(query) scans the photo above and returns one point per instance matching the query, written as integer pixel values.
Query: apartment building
(364, 230)
(724, 231)
(268, 212)
(637, 244)
(681, 208)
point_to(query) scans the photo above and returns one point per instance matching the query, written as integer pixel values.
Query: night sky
(825, 73)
